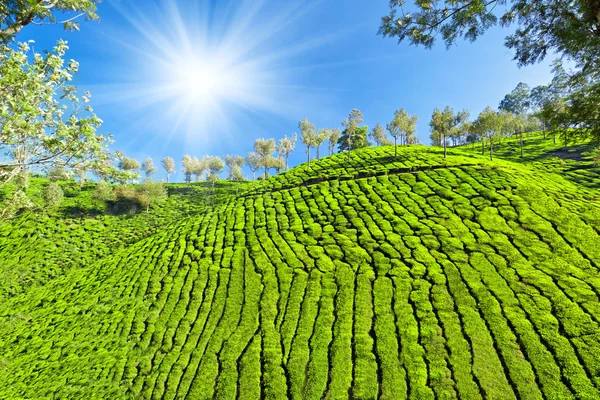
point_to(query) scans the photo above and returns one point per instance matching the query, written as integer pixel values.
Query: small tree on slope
(148, 167)
(169, 165)
(308, 136)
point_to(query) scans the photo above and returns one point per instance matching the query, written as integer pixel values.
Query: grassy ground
(574, 162)
(415, 277)
(41, 246)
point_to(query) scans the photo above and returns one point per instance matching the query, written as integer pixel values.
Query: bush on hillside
(151, 192)
(16, 203)
(53, 195)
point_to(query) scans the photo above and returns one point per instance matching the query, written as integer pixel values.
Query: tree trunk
(395, 148)
(482, 145)
(286, 162)
(444, 139)
(491, 149)
(521, 144)
(308, 152)
(555, 136)
(319, 152)
(167, 178)
(544, 129)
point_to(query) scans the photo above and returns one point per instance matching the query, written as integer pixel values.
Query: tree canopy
(43, 119)
(569, 28)
(17, 14)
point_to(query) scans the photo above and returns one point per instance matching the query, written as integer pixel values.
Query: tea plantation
(379, 277)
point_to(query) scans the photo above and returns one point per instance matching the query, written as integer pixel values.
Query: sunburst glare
(197, 77)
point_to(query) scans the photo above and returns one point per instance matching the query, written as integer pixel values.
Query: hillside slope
(410, 278)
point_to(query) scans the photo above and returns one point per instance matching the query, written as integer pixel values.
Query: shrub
(103, 192)
(53, 195)
(17, 202)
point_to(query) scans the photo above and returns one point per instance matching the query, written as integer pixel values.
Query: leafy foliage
(17, 14)
(570, 28)
(53, 195)
(48, 124)
(169, 166)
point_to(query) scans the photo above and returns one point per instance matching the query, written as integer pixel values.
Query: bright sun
(198, 81)
(205, 68)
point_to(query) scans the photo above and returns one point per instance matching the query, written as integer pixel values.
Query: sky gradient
(264, 68)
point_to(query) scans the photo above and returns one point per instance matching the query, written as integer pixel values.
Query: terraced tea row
(460, 282)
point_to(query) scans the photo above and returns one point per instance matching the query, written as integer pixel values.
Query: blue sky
(264, 66)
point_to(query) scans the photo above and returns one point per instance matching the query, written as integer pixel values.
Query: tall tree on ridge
(265, 149)
(443, 122)
(308, 136)
(285, 146)
(253, 161)
(351, 125)
(378, 136)
(518, 101)
(321, 136)
(148, 167)
(169, 165)
(334, 136)
(402, 126)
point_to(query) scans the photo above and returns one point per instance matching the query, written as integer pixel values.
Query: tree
(584, 112)
(103, 192)
(151, 192)
(402, 126)
(378, 136)
(278, 163)
(199, 167)
(215, 165)
(351, 126)
(555, 112)
(320, 137)
(21, 180)
(169, 165)
(253, 161)
(237, 176)
(443, 122)
(58, 174)
(285, 146)
(16, 202)
(489, 123)
(188, 168)
(17, 14)
(53, 195)
(334, 137)
(570, 28)
(82, 175)
(462, 125)
(519, 121)
(149, 168)
(308, 135)
(129, 165)
(48, 124)
(264, 149)
(234, 163)
(358, 140)
(518, 101)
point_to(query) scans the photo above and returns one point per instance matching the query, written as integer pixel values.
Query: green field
(411, 277)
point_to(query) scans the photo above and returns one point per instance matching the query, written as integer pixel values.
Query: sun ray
(198, 79)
